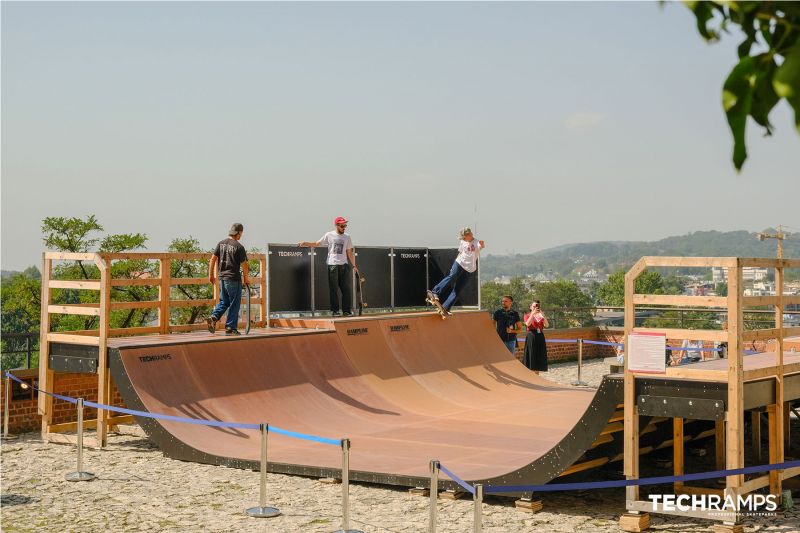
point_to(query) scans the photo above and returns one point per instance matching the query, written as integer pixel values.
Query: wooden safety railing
(730, 432)
(102, 309)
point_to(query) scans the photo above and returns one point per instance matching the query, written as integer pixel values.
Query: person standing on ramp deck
(229, 256)
(340, 257)
(464, 266)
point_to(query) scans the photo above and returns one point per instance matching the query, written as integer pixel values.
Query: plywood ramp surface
(405, 389)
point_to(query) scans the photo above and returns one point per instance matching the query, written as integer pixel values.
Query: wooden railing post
(46, 376)
(165, 267)
(103, 373)
(735, 406)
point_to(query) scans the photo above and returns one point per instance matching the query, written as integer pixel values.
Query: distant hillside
(608, 256)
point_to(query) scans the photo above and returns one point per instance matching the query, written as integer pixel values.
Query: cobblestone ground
(137, 489)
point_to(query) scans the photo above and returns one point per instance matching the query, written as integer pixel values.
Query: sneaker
(348, 314)
(430, 297)
(232, 332)
(211, 322)
(336, 313)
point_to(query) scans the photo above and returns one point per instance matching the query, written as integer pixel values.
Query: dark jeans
(457, 275)
(341, 278)
(230, 299)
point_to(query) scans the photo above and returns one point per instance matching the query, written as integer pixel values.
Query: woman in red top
(535, 347)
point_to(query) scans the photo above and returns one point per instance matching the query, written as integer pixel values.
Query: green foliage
(721, 289)
(21, 296)
(757, 82)
(189, 268)
(493, 292)
(612, 292)
(563, 294)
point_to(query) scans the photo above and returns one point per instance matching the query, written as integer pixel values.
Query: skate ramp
(404, 388)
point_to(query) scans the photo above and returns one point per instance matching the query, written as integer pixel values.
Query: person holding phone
(535, 347)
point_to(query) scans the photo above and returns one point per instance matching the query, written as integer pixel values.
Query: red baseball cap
(340, 220)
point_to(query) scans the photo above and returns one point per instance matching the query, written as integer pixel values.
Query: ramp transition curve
(404, 388)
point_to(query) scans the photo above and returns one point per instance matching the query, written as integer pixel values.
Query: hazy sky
(562, 122)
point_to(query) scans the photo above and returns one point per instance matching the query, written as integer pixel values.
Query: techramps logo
(751, 505)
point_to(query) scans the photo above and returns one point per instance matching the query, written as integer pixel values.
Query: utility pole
(779, 236)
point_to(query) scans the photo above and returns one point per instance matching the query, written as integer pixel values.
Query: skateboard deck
(431, 299)
(360, 290)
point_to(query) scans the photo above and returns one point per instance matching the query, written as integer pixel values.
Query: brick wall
(23, 414)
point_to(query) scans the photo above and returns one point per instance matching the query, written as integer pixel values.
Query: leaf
(703, 13)
(786, 81)
(764, 96)
(737, 100)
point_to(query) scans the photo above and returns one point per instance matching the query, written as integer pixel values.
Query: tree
(612, 292)
(721, 289)
(189, 268)
(562, 297)
(21, 296)
(757, 82)
(493, 292)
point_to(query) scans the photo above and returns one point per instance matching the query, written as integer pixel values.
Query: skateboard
(431, 299)
(360, 290)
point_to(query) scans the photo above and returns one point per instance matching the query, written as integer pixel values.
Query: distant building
(751, 274)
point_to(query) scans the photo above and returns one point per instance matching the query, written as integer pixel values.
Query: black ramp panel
(322, 299)
(409, 277)
(289, 272)
(375, 265)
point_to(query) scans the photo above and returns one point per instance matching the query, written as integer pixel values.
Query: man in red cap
(340, 257)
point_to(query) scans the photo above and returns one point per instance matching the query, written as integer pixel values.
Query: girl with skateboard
(463, 267)
(535, 347)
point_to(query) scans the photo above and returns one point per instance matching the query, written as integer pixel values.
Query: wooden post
(677, 452)
(719, 444)
(781, 421)
(103, 373)
(46, 376)
(774, 438)
(755, 419)
(631, 417)
(734, 456)
(165, 267)
(262, 265)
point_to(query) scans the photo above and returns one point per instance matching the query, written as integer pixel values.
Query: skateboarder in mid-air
(463, 267)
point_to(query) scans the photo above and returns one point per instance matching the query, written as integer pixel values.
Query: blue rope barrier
(466, 486)
(603, 343)
(639, 482)
(183, 420)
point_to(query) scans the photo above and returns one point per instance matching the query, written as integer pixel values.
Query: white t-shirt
(468, 253)
(337, 247)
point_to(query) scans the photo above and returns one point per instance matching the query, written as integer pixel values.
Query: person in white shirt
(340, 257)
(465, 265)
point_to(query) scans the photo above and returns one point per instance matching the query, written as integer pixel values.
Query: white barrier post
(79, 474)
(6, 405)
(478, 522)
(263, 510)
(346, 490)
(434, 490)
(578, 382)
